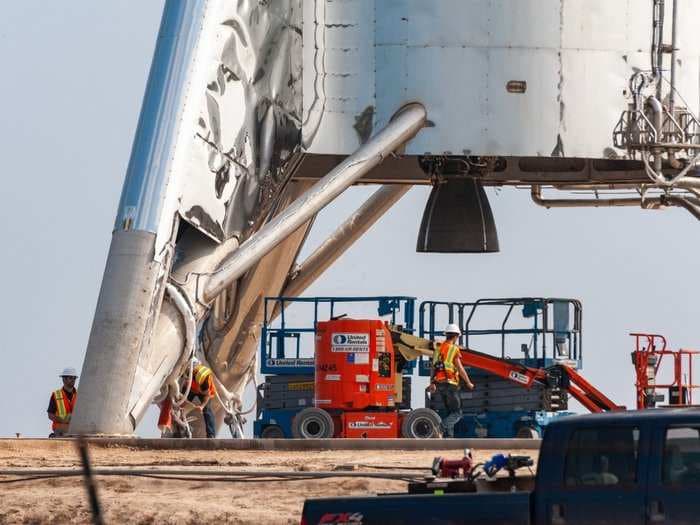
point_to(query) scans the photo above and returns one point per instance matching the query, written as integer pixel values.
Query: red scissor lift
(651, 351)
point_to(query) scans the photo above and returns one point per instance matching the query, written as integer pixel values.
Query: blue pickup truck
(623, 468)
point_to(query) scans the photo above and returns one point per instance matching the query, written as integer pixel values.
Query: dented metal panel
(457, 57)
(249, 122)
(220, 120)
(217, 141)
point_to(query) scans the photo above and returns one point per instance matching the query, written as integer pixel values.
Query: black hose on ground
(201, 475)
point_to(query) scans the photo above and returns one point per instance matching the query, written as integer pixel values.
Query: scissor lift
(537, 333)
(514, 396)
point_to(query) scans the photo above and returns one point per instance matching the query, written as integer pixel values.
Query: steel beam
(402, 128)
(354, 227)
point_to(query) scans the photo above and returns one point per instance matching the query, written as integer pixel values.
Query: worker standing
(446, 372)
(62, 402)
(202, 390)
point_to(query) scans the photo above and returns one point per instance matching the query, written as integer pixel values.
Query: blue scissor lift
(536, 332)
(287, 350)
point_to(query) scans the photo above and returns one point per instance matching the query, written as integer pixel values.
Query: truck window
(681, 464)
(602, 456)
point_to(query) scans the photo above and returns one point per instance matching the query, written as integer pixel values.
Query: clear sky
(73, 76)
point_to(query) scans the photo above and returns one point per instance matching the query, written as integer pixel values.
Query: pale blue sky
(73, 75)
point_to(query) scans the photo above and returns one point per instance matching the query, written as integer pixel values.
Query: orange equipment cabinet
(354, 365)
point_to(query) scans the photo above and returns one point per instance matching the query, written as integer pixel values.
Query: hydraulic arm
(561, 375)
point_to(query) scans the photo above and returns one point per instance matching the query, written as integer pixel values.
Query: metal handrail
(393, 305)
(464, 312)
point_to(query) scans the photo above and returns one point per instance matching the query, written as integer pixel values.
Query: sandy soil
(146, 501)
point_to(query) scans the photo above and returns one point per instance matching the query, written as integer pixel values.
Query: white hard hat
(69, 372)
(452, 329)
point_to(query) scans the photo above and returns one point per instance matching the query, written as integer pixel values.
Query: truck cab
(629, 467)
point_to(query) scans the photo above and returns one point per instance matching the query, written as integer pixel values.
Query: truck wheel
(421, 423)
(527, 433)
(313, 423)
(272, 432)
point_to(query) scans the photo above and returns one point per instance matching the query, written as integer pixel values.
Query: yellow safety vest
(446, 355)
(64, 406)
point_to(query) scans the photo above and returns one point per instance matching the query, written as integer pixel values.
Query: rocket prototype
(258, 114)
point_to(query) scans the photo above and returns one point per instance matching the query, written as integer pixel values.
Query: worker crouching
(202, 390)
(446, 372)
(61, 403)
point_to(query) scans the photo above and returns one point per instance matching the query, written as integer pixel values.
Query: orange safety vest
(64, 406)
(444, 363)
(199, 375)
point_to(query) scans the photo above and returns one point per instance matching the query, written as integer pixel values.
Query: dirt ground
(150, 501)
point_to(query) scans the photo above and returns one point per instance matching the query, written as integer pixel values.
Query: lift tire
(313, 423)
(527, 433)
(272, 432)
(421, 423)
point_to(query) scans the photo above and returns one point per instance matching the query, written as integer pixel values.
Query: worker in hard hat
(202, 390)
(446, 372)
(62, 402)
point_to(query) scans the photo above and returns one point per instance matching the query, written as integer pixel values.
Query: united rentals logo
(347, 342)
(290, 362)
